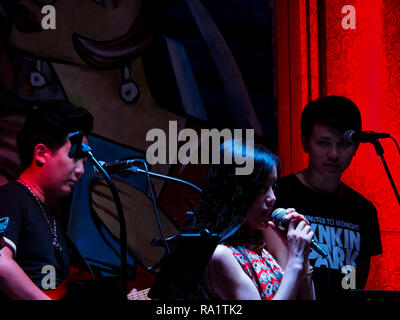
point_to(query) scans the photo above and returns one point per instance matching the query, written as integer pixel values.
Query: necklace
(53, 229)
(306, 177)
(338, 192)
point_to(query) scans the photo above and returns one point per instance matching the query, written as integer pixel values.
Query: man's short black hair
(49, 124)
(336, 112)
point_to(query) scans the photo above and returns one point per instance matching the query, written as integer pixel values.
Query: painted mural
(136, 65)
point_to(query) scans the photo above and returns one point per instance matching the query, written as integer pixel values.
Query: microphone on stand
(118, 167)
(352, 137)
(125, 168)
(278, 218)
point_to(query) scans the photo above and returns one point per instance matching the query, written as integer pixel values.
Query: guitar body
(81, 285)
(75, 275)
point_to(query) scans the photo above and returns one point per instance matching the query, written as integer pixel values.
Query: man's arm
(14, 282)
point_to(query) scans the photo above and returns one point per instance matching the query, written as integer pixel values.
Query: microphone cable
(157, 215)
(136, 170)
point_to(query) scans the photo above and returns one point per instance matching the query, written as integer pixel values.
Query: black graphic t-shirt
(28, 235)
(346, 227)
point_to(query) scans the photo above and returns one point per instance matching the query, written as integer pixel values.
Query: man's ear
(40, 153)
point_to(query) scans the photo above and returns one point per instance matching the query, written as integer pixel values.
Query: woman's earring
(129, 91)
(37, 79)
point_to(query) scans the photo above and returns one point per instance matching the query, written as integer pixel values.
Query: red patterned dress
(262, 269)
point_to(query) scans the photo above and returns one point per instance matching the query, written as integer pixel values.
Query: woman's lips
(26, 21)
(267, 213)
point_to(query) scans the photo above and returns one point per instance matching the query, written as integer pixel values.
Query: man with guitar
(32, 242)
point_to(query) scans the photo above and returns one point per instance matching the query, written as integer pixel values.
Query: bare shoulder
(227, 278)
(222, 257)
(222, 251)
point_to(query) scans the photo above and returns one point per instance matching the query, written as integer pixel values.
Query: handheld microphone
(117, 166)
(278, 217)
(352, 137)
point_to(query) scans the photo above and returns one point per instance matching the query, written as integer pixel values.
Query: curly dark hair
(227, 197)
(224, 205)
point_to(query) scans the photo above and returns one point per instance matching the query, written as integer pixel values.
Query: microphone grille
(348, 137)
(278, 214)
(278, 218)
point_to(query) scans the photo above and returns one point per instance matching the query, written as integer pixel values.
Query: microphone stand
(135, 170)
(82, 150)
(379, 152)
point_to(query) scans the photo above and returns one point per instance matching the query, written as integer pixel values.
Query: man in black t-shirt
(344, 222)
(346, 227)
(34, 250)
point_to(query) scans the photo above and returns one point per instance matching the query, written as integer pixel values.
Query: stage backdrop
(136, 65)
(326, 48)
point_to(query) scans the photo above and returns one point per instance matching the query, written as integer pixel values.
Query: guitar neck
(140, 295)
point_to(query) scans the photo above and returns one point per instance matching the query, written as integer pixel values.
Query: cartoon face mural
(92, 36)
(94, 59)
(66, 59)
(97, 20)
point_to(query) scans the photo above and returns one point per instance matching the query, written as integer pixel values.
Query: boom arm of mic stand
(123, 234)
(136, 170)
(379, 152)
(161, 176)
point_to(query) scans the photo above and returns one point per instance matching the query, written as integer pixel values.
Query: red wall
(317, 57)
